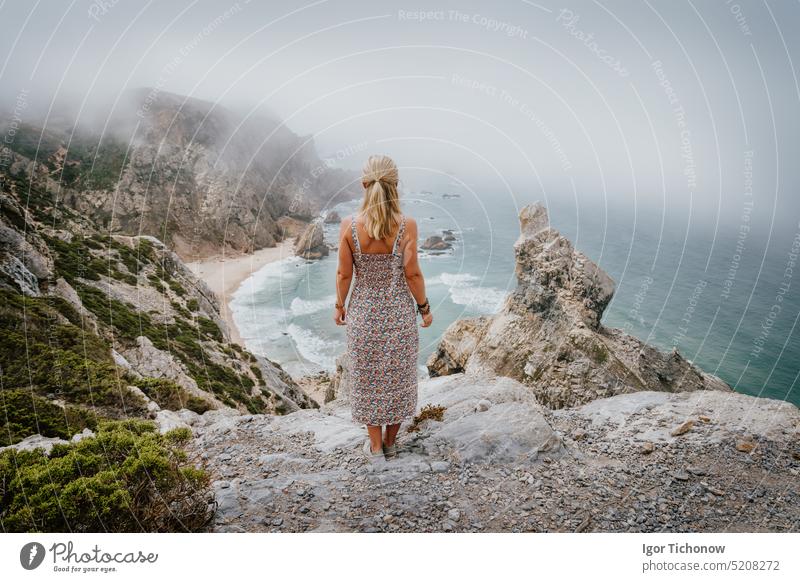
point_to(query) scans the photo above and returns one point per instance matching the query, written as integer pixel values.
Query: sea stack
(548, 333)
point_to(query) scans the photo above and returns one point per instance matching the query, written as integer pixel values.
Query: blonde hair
(381, 205)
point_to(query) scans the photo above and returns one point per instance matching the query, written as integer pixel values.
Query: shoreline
(224, 275)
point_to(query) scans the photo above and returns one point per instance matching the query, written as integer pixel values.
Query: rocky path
(500, 462)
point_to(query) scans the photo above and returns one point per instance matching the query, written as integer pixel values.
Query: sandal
(367, 450)
(390, 452)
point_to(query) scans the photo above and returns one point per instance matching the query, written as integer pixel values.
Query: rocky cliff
(498, 461)
(191, 173)
(549, 336)
(493, 459)
(98, 326)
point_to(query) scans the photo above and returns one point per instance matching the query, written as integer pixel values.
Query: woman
(382, 337)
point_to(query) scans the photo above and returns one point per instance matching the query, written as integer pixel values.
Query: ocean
(721, 294)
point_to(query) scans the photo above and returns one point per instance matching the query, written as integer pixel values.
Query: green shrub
(192, 304)
(23, 413)
(211, 329)
(167, 394)
(128, 478)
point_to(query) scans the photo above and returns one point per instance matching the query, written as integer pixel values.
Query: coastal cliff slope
(549, 336)
(655, 445)
(200, 177)
(98, 326)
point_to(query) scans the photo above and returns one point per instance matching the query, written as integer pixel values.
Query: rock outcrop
(435, 243)
(310, 244)
(332, 217)
(499, 461)
(548, 333)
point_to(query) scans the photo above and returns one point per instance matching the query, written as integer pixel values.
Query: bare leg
(375, 438)
(391, 434)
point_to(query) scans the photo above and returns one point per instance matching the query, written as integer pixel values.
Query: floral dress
(382, 337)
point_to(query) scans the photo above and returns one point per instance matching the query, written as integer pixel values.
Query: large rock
(435, 243)
(548, 333)
(311, 243)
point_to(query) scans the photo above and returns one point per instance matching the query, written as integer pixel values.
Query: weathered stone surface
(311, 243)
(548, 333)
(505, 467)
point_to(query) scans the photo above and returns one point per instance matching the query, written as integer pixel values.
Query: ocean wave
(462, 291)
(309, 306)
(314, 348)
(277, 274)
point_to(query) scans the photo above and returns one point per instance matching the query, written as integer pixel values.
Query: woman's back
(368, 245)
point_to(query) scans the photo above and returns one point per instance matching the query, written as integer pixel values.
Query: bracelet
(338, 306)
(425, 308)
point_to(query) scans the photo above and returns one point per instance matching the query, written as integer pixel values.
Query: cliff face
(548, 334)
(98, 326)
(192, 174)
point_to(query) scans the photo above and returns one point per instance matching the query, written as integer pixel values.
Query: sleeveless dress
(382, 337)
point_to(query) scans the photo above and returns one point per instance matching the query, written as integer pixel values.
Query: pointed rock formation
(548, 333)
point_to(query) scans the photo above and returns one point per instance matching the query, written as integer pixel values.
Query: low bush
(128, 478)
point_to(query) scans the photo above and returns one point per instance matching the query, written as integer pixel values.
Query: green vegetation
(209, 328)
(44, 353)
(24, 413)
(89, 164)
(167, 394)
(128, 478)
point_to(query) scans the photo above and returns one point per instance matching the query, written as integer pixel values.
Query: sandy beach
(224, 275)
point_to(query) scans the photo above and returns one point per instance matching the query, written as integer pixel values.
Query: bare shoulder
(344, 225)
(411, 223)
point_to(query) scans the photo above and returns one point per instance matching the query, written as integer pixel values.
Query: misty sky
(658, 103)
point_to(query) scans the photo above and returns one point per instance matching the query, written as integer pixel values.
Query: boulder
(435, 243)
(310, 244)
(548, 334)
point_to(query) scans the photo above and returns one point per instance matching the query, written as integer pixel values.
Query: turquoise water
(678, 284)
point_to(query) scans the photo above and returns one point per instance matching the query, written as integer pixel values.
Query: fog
(668, 106)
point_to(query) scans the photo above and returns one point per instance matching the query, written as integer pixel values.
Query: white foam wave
(462, 291)
(314, 348)
(276, 274)
(308, 306)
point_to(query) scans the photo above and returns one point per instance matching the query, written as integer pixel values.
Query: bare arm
(413, 272)
(344, 270)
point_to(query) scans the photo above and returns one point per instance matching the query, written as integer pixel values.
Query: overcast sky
(657, 102)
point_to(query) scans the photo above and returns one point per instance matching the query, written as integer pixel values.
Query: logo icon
(31, 555)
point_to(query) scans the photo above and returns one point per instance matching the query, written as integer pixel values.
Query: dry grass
(428, 411)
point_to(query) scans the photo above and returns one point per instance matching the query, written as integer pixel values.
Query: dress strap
(356, 244)
(399, 233)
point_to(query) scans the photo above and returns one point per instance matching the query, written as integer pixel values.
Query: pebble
(454, 514)
(683, 428)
